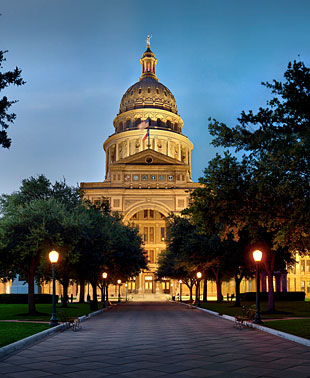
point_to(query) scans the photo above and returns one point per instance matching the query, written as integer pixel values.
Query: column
(116, 152)
(180, 152)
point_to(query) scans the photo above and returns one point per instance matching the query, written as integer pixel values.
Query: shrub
(23, 298)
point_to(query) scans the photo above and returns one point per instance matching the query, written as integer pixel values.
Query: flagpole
(148, 138)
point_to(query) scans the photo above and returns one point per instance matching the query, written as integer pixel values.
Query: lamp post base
(257, 319)
(53, 321)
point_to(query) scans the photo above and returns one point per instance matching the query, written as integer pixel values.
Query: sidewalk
(159, 340)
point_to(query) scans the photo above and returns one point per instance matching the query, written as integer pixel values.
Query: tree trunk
(31, 304)
(95, 300)
(197, 292)
(82, 291)
(102, 295)
(218, 285)
(65, 286)
(205, 291)
(190, 293)
(219, 291)
(237, 283)
(107, 292)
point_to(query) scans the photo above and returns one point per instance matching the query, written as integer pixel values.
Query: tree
(276, 142)
(34, 220)
(6, 79)
(29, 232)
(229, 205)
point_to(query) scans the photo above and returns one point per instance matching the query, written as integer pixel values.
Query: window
(302, 266)
(308, 266)
(144, 177)
(302, 285)
(140, 90)
(151, 233)
(151, 256)
(157, 90)
(162, 233)
(134, 216)
(308, 287)
(145, 234)
(149, 90)
(151, 213)
(145, 214)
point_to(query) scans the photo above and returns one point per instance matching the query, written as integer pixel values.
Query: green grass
(13, 311)
(11, 332)
(298, 327)
(284, 309)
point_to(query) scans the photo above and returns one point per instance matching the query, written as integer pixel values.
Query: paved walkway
(159, 340)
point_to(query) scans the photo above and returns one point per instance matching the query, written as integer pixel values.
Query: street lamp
(172, 296)
(180, 282)
(53, 257)
(257, 256)
(199, 275)
(119, 290)
(104, 276)
(126, 287)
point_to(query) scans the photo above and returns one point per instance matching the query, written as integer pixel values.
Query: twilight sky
(79, 57)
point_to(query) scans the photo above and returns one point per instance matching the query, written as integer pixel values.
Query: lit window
(145, 214)
(151, 230)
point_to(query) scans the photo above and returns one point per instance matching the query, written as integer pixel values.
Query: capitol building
(148, 168)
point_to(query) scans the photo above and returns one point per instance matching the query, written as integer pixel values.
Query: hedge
(23, 298)
(279, 296)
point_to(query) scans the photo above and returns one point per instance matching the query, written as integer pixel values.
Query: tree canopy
(6, 118)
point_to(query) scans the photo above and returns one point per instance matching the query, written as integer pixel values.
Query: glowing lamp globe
(257, 255)
(119, 282)
(180, 281)
(104, 275)
(53, 256)
(199, 275)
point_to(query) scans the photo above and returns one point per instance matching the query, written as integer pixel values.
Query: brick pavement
(159, 340)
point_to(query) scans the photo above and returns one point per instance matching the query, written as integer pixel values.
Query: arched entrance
(152, 225)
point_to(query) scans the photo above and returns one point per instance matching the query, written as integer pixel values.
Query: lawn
(11, 332)
(298, 327)
(284, 309)
(14, 311)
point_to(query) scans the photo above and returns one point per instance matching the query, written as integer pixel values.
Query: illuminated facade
(147, 177)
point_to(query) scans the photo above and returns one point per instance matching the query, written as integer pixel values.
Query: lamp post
(257, 256)
(119, 290)
(126, 287)
(198, 283)
(180, 282)
(53, 257)
(172, 296)
(104, 276)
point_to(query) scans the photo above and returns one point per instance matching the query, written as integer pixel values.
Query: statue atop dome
(148, 41)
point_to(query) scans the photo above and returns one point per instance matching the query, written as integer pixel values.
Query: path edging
(284, 335)
(20, 344)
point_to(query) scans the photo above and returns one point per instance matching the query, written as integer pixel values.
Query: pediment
(148, 157)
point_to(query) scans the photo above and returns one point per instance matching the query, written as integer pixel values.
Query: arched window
(176, 127)
(159, 123)
(128, 124)
(140, 90)
(120, 126)
(169, 125)
(149, 90)
(137, 122)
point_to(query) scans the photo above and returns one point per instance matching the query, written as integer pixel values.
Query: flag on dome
(144, 124)
(147, 135)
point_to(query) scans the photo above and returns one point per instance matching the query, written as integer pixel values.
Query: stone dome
(148, 101)
(148, 93)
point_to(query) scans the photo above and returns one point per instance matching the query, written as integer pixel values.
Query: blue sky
(79, 57)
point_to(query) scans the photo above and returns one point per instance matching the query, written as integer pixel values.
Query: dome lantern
(148, 61)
